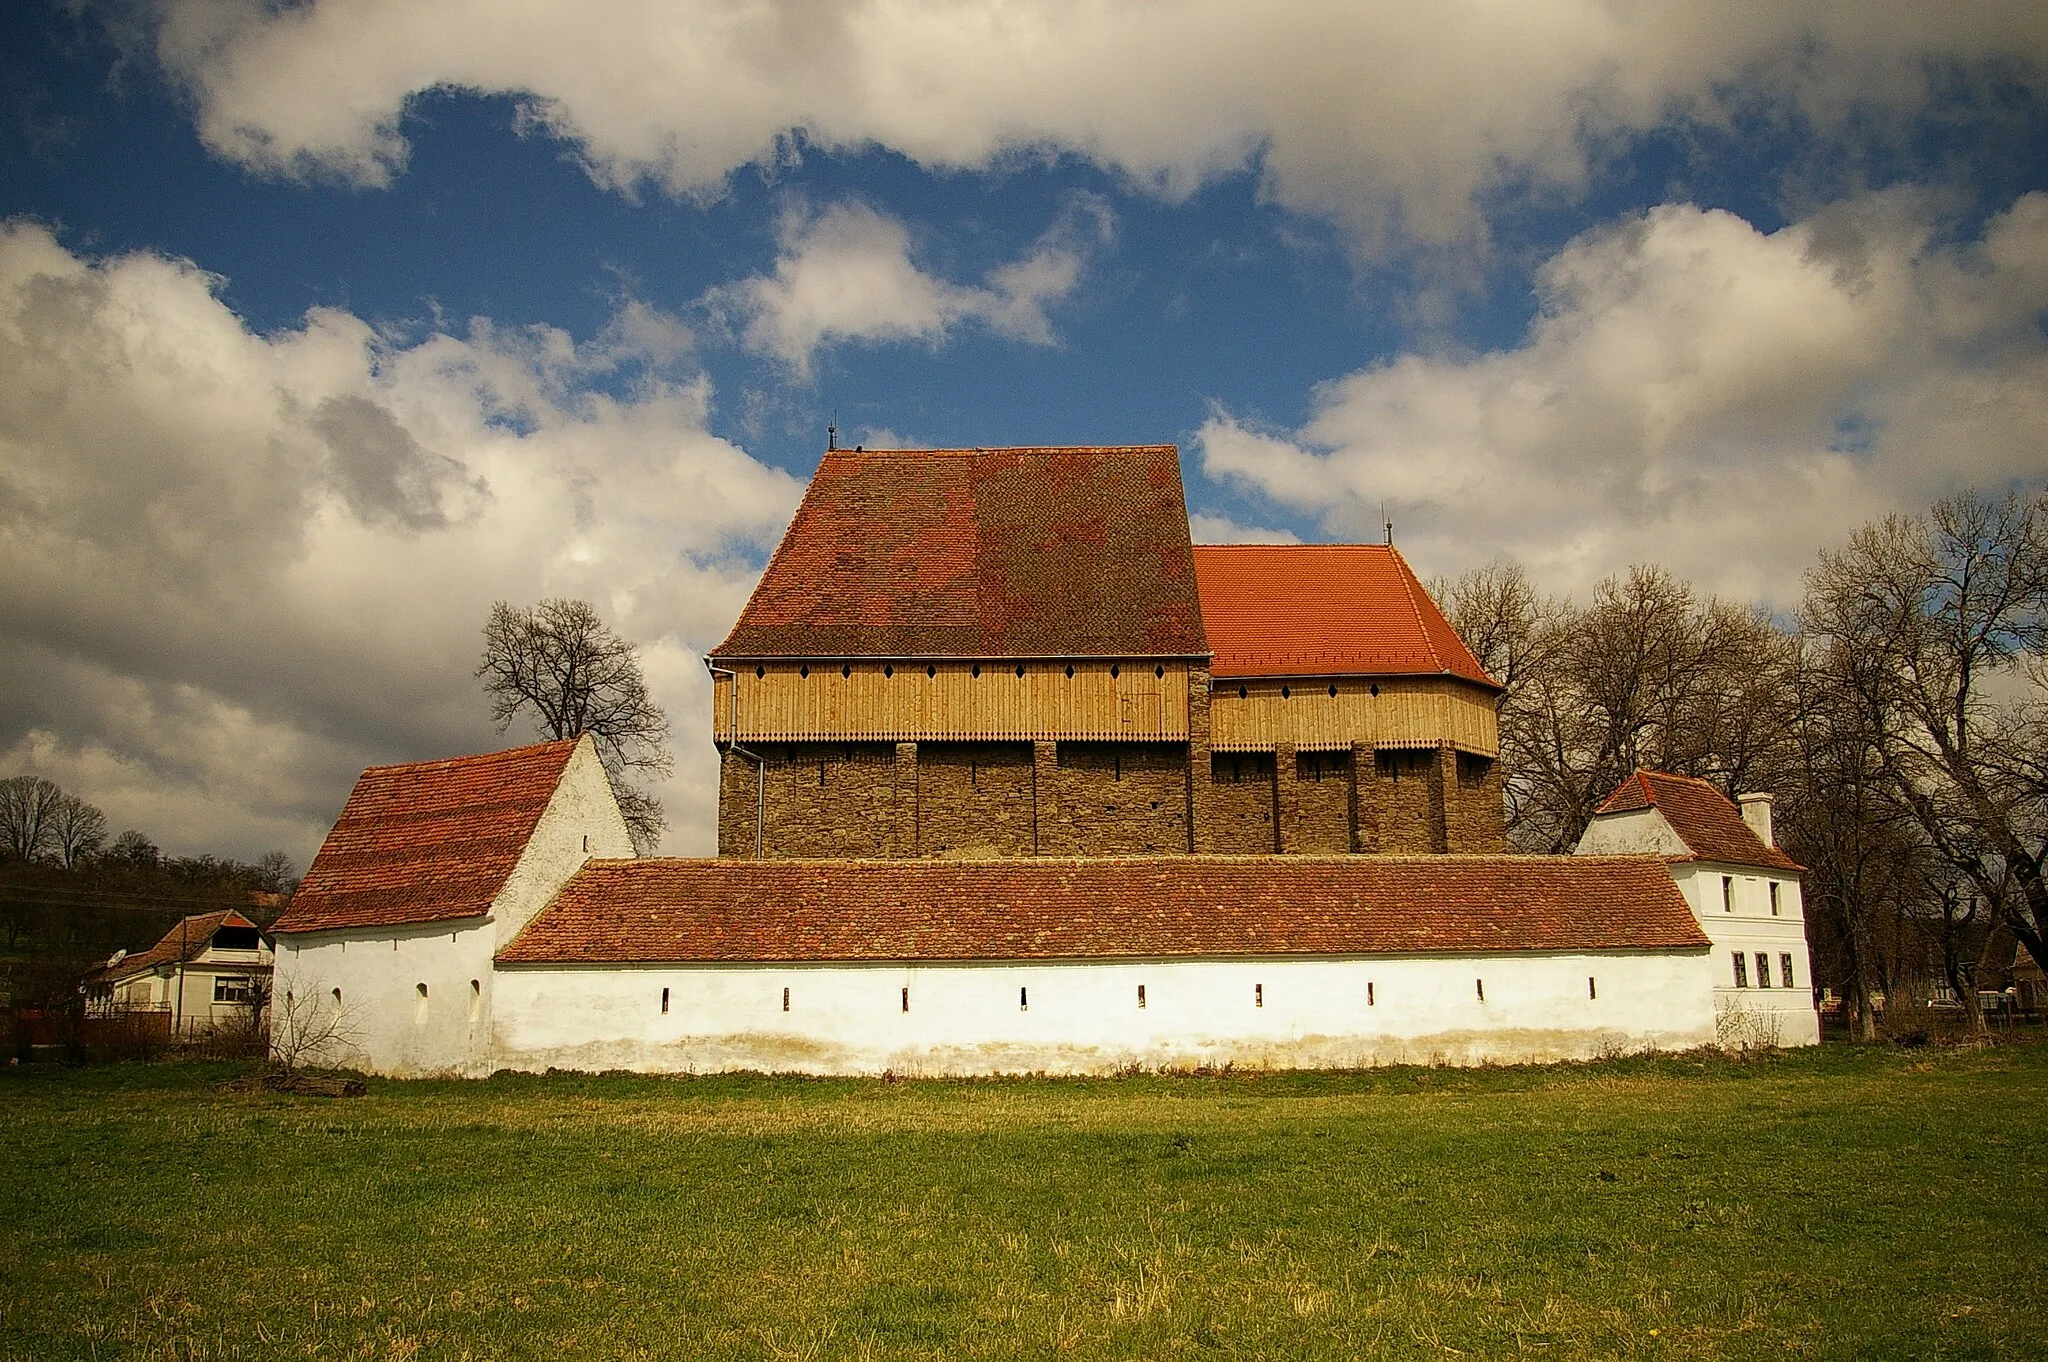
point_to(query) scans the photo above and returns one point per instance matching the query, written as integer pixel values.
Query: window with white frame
(1763, 970)
(1785, 967)
(1741, 970)
(233, 988)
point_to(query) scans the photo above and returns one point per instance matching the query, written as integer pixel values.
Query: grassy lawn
(1834, 1203)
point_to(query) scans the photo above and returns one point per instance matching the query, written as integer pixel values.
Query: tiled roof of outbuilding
(1324, 610)
(184, 941)
(427, 841)
(651, 911)
(980, 553)
(1704, 818)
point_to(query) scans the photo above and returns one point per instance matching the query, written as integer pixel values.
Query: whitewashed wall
(1754, 1016)
(1083, 1017)
(386, 1023)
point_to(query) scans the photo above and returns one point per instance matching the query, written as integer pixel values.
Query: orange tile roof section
(427, 841)
(184, 941)
(1324, 610)
(653, 911)
(981, 552)
(1706, 820)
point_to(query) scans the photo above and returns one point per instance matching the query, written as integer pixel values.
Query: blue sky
(325, 326)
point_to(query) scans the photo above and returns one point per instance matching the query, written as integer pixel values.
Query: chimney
(1756, 811)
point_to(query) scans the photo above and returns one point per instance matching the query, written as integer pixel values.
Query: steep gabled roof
(981, 552)
(1324, 610)
(427, 841)
(1705, 819)
(653, 911)
(186, 940)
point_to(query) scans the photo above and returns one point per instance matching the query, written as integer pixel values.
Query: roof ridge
(1409, 587)
(472, 757)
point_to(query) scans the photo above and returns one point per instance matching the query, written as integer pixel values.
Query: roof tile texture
(1706, 820)
(427, 841)
(652, 911)
(981, 552)
(1324, 610)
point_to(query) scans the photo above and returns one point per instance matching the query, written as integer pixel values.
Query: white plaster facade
(1752, 913)
(1085, 1016)
(417, 999)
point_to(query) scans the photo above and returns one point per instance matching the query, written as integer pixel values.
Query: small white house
(205, 974)
(1743, 890)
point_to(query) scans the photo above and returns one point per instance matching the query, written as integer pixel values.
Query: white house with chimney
(1741, 888)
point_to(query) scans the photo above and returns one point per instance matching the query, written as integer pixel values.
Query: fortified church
(1014, 778)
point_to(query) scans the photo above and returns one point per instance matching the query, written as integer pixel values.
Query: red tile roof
(650, 911)
(1324, 610)
(982, 552)
(184, 941)
(1706, 820)
(427, 841)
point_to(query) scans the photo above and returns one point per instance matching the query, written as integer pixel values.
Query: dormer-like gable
(1681, 818)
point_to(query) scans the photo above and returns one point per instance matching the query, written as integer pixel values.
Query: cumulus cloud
(1396, 120)
(1695, 392)
(1219, 529)
(235, 568)
(846, 274)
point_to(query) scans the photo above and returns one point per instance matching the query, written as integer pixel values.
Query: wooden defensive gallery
(1015, 777)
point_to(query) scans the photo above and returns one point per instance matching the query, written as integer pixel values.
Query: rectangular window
(1785, 968)
(1141, 995)
(1480, 985)
(233, 990)
(1774, 898)
(1258, 995)
(1727, 893)
(1763, 970)
(1023, 1000)
(664, 1002)
(785, 1000)
(1592, 990)
(906, 997)
(1741, 970)
(1368, 993)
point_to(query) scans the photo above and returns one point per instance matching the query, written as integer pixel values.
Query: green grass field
(1839, 1203)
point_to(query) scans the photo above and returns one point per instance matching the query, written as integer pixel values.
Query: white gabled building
(486, 913)
(1742, 889)
(385, 954)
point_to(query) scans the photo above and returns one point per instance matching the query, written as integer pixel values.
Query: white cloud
(1217, 529)
(234, 569)
(1697, 393)
(1396, 120)
(846, 274)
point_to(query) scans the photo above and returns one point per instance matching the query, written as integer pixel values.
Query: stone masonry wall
(1116, 799)
(1240, 808)
(975, 799)
(1107, 799)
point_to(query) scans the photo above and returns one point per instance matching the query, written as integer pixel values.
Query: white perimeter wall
(1083, 1017)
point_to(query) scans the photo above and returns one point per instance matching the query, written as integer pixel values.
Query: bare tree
(308, 1026)
(562, 665)
(1647, 674)
(1947, 617)
(77, 830)
(27, 804)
